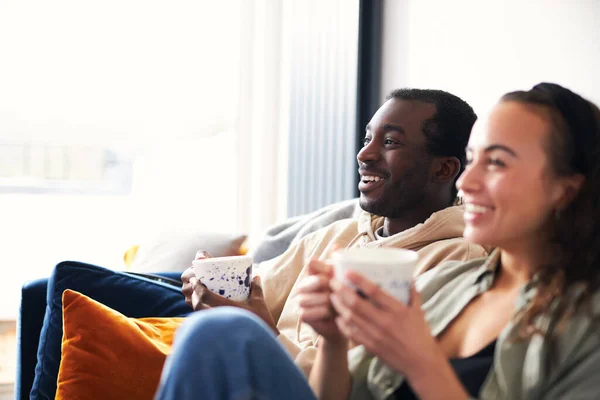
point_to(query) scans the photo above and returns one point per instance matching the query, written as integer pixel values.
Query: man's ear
(445, 169)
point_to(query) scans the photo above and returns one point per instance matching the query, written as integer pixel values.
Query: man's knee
(220, 324)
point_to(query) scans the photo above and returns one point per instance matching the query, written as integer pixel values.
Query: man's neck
(391, 226)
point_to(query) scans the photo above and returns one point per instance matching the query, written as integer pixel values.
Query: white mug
(390, 268)
(229, 277)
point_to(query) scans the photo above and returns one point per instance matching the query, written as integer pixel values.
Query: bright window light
(117, 121)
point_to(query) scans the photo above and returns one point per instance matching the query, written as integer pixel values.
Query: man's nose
(370, 152)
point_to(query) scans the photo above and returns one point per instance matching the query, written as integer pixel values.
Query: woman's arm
(330, 378)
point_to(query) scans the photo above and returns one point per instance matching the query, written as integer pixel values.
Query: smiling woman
(506, 153)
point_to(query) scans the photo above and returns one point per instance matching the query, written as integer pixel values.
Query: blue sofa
(39, 327)
(31, 318)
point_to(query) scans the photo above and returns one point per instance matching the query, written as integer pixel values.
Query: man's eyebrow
(388, 127)
(391, 127)
(494, 147)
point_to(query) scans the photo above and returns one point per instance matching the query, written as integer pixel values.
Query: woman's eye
(496, 162)
(366, 141)
(390, 141)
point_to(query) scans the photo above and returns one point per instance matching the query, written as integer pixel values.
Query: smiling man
(413, 152)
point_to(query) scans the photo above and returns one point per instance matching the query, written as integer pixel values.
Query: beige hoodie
(437, 239)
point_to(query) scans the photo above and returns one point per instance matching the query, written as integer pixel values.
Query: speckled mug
(389, 268)
(229, 277)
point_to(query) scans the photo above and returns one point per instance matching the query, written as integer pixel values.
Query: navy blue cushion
(133, 296)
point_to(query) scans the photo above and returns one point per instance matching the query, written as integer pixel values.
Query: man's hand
(202, 299)
(188, 275)
(199, 297)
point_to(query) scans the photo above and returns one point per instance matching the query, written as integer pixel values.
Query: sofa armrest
(172, 278)
(29, 325)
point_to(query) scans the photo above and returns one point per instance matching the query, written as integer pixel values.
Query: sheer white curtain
(188, 90)
(263, 116)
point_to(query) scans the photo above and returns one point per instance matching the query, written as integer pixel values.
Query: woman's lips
(477, 212)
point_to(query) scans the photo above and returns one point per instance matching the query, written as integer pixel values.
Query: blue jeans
(230, 354)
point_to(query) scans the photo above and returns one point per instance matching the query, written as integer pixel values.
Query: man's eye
(391, 142)
(366, 141)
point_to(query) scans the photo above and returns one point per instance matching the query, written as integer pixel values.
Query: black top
(471, 371)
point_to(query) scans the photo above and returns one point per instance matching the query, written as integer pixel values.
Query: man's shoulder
(347, 225)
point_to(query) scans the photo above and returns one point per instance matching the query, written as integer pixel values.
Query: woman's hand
(331, 362)
(395, 332)
(315, 305)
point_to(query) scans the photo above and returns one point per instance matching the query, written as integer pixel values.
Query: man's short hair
(448, 131)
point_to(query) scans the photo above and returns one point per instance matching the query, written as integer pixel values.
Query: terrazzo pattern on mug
(226, 280)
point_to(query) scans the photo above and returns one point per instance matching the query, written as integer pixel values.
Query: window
(118, 120)
(37, 168)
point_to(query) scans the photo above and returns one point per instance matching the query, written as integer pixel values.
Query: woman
(522, 323)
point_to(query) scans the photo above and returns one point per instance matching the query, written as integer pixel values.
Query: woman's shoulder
(456, 274)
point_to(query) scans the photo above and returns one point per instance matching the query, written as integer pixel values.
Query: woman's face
(508, 188)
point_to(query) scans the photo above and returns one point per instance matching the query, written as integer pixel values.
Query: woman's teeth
(476, 209)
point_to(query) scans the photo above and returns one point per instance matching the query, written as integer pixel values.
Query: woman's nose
(469, 180)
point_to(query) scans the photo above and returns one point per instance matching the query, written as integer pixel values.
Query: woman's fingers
(355, 327)
(319, 267)
(352, 301)
(313, 299)
(314, 283)
(317, 313)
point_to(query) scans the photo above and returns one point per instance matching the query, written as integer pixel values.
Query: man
(414, 150)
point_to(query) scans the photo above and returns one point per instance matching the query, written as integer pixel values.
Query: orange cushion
(106, 355)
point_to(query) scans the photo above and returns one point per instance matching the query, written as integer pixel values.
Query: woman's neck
(519, 262)
(515, 269)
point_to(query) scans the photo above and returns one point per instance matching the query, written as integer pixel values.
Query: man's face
(394, 163)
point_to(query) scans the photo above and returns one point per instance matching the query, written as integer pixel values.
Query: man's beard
(394, 203)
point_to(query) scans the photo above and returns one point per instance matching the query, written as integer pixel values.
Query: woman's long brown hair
(573, 148)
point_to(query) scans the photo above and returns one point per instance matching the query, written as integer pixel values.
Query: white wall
(480, 49)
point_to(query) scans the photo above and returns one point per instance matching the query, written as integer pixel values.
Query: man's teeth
(476, 209)
(369, 178)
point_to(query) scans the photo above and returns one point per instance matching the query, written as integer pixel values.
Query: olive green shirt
(563, 364)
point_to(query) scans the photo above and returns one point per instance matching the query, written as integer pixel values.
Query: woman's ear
(568, 189)
(446, 169)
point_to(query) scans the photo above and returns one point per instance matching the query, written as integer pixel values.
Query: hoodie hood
(444, 224)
